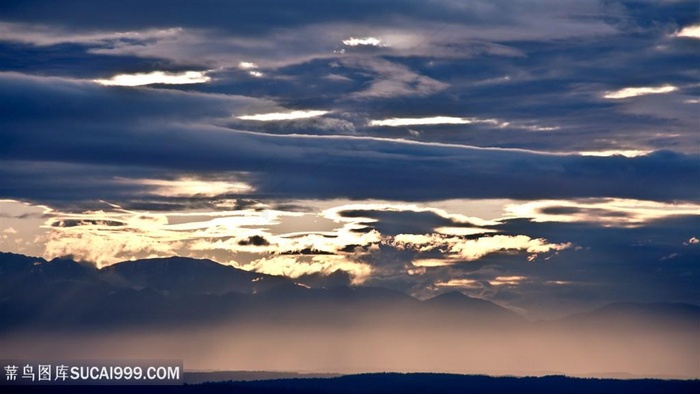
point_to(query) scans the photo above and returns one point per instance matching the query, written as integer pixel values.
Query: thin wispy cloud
(639, 91)
(277, 116)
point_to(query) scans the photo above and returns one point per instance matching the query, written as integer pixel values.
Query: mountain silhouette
(179, 275)
(181, 307)
(186, 291)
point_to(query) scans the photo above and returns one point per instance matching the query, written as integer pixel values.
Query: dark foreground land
(401, 383)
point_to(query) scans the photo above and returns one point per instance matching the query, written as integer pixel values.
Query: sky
(541, 155)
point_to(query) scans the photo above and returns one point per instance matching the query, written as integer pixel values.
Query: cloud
(67, 128)
(277, 116)
(503, 147)
(623, 152)
(188, 186)
(370, 41)
(393, 80)
(295, 266)
(397, 122)
(458, 250)
(46, 35)
(506, 280)
(155, 77)
(689, 32)
(461, 283)
(605, 211)
(452, 120)
(247, 65)
(639, 91)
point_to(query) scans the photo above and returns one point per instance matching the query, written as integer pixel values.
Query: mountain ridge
(172, 285)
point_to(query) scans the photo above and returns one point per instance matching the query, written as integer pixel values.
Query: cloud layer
(421, 146)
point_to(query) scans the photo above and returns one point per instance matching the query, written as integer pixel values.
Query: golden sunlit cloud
(368, 41)
(639, 91)
(473, 249)
(185, 187)
(428, 263)
(459, 249)
(506, 280)
(296, 266)
(277, 116)
(467, 283)
(156, 77)
(689, 32)
(108, 237)
(259, 237)
(612, 212)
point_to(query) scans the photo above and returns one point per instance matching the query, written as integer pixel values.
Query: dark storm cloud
(486, 60)
(402, 222)
(255, 17)
(53, 120)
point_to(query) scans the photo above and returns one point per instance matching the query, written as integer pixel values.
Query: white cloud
(252, 69)
(398, 122)
(156, 77)
(368, 41)
(462, 231)
(277, 116)
(639, 91)
(612, 152)
(536, 128)
(453, 120)
(247, 65)
(689, 32)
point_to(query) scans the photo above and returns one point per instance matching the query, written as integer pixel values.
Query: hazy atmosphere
(344, 163)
